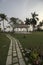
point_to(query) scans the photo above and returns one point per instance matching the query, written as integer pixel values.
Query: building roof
(21, 26)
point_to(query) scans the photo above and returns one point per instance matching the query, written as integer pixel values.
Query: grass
(4, 46)
(34, 40)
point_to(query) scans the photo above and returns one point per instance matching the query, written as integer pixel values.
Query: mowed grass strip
(34, 40)
(4, 46)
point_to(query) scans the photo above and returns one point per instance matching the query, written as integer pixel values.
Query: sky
(21, 8)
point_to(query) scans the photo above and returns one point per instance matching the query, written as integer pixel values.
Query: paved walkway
(14, 54)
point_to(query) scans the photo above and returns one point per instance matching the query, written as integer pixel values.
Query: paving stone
(9, 52)
(18, 50)
(13, 45)
(10, 48)
(19, 55)
(16, 64)
(14, 51)
(14, 54)
(9, 60)
(15, 60)
(14, 48)
(21, 62)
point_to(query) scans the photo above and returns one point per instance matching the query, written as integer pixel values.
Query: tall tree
(2, 18)
(34, 19)
(39, 25)
(27, 21)
(12, 22)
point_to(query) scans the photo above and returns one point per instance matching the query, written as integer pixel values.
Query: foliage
(34, 19)
(12, 22)
(39, 25)
(27, 21)
(34, 55)
(2, 18)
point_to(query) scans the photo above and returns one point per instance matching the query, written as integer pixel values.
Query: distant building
(18, 27)
(21, 28)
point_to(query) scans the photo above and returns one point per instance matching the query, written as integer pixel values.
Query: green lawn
(34, 40)
(4, 46)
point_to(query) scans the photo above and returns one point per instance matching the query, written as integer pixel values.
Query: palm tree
(34, 19)
(40, 24)
(27, 21)
(2, 18)
(12, 22)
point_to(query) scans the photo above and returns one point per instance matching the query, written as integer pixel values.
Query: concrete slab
(14, 54)
(10, 52)
(19, 55)
(21, 62)
(14, 48)
(14, 51)
(16, 64)
(15, 60)
(9, 60)
(10, 48)
(13, 45)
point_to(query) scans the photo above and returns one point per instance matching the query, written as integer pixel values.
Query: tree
(41, 23)
(12, 22)
(38, 26)
(27, 21)
(2, 18)
(34, 19)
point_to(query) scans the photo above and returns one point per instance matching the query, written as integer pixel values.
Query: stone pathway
(14, 54)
